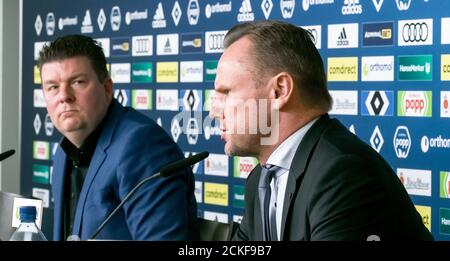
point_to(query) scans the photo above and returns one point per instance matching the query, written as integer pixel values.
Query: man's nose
(66, 94)
(216, 110)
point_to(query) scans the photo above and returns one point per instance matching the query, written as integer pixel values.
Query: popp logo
(402, 142)
(415, 105)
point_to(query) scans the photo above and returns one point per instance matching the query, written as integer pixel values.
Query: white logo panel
(343, 35)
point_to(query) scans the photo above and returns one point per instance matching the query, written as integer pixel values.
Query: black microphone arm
(165, 171)
(7, 154)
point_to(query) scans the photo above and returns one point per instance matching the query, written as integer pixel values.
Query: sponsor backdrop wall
(388, 66)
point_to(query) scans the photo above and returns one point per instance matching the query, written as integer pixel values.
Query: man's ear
(108, 85)
(283, 85)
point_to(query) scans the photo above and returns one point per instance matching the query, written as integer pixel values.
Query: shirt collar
(283, 155)
(82, 156)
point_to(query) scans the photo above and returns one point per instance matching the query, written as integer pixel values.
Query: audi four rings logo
(215, 41)
(415, 32)
(313, 33)
(141, 45)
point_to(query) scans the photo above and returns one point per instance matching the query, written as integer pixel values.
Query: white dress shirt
(282, 157)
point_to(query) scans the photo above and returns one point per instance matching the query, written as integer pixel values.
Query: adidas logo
(342, 39)
(158, 19)
(167, 47)
(245, 12)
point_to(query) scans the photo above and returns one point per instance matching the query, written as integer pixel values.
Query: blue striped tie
(264, 191)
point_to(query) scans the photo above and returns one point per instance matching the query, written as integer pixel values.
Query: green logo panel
(415, 68)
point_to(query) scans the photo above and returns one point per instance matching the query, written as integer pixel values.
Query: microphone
(165, 171)
(7, 154)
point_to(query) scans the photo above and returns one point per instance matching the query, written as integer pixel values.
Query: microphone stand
(123, 202)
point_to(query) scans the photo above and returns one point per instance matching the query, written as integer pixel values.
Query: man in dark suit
(106, 151)
(316, 180)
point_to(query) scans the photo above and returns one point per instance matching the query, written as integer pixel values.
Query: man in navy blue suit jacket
(106, 150)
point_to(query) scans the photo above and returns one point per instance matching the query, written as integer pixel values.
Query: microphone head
(183, 163)
(7, 154)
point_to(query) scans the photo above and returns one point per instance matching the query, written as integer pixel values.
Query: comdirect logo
(444, 184)
(437, 142)
(415, 68)
(216, 194)
(425, 213)
(342, 69)
(402, 142)
(167, 72)
(414, 103)
(445, 67)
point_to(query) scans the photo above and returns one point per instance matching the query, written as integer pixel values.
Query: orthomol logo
(425, 213)
(41, 174)
(243, 166)
(216, 194)
(238, 196)
(142, 72)
(341, 69)
(444, 221)
(434, 143)
(415, 68)
(444, 184)
(445, 67)
(414, 103)
(167, 72)
(377, 68)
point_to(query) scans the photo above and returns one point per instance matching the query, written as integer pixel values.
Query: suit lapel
(299, 164)
(98, 158)
(58, 191)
